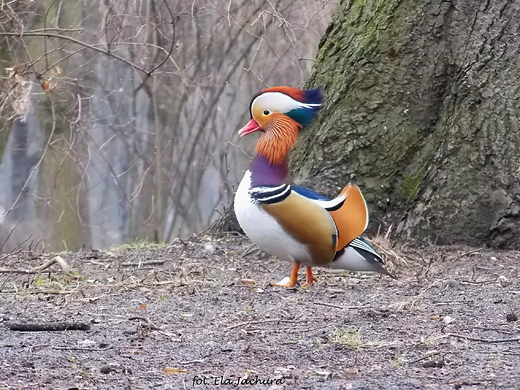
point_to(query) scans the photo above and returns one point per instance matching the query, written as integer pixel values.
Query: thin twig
(341, 307)
(9, 235)
(143, 263)
(466, 254)
(488, 341)
(192, 361)
(84, 44)
(428, 355)
(38, 291)
(83, 348)
(263, 322)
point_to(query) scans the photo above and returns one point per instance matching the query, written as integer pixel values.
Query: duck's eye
(267, 112)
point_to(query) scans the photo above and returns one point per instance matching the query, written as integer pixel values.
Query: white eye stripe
(278, 102)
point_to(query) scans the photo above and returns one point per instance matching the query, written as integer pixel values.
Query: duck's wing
(307, 222)
(348, 210)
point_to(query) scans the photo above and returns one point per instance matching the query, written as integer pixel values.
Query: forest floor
(200, 314)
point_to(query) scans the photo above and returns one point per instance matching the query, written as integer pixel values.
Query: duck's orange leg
(310, 279)
(293, 279)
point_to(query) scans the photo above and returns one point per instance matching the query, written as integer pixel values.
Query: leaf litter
(182, 316)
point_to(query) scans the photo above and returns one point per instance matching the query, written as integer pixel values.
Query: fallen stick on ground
(17, 271)
(48, 327)
(36, 270)
(56, 259)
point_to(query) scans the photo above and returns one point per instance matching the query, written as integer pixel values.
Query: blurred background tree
(118, 119)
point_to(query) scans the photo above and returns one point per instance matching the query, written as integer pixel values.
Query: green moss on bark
(410, 186)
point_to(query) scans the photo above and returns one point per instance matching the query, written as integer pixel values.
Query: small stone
(227, 348)
(511, 317)
(451, 283)
(108, 368)
(28, 364)
(448, 320)
(434, 364)
(209, 248)
(86, 343)
(284, 372)
(324, 374)
(285, 280)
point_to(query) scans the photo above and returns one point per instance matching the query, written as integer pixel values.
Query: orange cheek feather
(281, 133)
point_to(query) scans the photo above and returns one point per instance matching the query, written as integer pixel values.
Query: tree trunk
(422, 113)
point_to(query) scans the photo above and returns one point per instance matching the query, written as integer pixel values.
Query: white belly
(264, 230)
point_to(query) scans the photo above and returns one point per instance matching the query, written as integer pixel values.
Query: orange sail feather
(351, 218)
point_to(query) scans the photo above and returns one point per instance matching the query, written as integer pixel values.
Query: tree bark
(422, 113)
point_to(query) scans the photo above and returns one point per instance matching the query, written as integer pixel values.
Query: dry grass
(349, 338)
(394, 256)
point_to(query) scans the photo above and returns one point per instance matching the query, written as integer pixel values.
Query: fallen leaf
(47, 88)
(143, 306)
(174, 371)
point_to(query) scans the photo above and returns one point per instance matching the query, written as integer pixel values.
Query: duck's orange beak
(251, 127)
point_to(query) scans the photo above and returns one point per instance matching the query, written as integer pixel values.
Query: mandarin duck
(293, 222)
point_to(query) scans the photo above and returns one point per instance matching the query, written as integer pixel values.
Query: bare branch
(77, 41)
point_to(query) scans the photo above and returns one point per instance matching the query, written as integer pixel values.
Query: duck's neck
(264, 173)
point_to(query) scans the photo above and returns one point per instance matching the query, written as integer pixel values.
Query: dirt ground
(200, 314)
